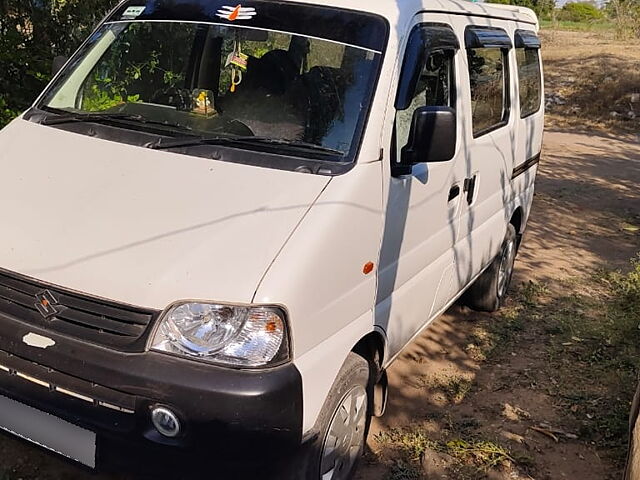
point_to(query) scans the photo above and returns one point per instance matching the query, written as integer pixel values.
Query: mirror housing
(58, 62)
(432, 139)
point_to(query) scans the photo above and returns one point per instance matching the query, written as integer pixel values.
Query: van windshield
(210, 71)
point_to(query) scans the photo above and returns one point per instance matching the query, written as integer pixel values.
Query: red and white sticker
(237, 13)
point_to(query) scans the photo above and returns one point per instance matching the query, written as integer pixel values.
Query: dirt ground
(537, 391)
(448, 387)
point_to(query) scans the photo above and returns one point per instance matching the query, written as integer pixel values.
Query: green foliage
(98, 100)
(543, 8)
(580, 12)
(32, 33)
(627, 289)
(486, 455)
(626, 15)
(413, 443)
(401, 470)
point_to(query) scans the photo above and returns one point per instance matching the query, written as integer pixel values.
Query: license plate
(48, 431)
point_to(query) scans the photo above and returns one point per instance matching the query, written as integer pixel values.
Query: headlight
(224, 334)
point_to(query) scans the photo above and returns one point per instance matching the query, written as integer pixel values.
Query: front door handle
(470, 188)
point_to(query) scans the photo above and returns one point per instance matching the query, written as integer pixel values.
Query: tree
(543, 8)
(626, 15)
(32, 33)
(581, 12)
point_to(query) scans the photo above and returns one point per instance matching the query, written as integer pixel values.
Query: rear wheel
(342, 426)
(489, 291)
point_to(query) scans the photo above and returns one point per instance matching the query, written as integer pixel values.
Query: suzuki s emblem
(47, 304)
(237, 13)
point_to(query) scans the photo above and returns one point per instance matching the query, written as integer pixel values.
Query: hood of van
(140, 226)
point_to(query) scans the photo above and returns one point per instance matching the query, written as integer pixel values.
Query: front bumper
(231, 419)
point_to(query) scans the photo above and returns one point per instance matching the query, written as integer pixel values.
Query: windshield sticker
(132, 13)
(237, 13)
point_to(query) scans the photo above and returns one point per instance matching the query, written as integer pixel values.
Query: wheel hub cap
(345, 438)
(506, 268)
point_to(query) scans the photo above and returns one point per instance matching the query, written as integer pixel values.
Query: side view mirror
(58, 63)
(433, 138)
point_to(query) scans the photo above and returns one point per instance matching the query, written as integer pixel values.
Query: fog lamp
(165, 421)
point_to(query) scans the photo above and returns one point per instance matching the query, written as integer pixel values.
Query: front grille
(55, 383)
(80, 316)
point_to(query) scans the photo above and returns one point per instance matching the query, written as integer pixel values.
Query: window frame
(482, 37)
(424, 40)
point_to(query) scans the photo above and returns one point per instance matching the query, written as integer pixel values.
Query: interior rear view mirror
(253, 35)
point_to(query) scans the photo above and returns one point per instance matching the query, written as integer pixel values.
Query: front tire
(343, 425)
(489, 291)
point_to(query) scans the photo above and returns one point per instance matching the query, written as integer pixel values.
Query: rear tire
(489, 291)
(343, 425)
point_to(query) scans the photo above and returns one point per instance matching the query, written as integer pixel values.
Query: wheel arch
(373, 348)
(517, 220)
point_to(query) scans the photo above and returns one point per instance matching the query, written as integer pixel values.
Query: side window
(488, 57)
(487, 72)
(529, 72)
(435, 88)
(428, 76)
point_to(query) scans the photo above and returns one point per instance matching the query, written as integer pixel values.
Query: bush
(543, 8)
(626, 15)
(580, 12)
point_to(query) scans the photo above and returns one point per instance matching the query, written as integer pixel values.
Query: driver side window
(436, 88)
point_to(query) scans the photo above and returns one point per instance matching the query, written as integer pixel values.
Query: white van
(221, 223)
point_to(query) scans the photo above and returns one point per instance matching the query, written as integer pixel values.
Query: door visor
(527, 39)
(487, 37)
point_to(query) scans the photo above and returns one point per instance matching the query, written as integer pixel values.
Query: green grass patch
(594, 354)
(412, 444)
(599, 26)
(456, 388)
(485, 455)
(401, 470)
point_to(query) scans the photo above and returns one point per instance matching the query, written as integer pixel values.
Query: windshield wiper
(100, 117)
(86, 117)
(243, 141)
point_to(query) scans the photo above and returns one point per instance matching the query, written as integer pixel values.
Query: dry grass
(596, 77)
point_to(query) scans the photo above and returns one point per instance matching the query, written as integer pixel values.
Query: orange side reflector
(368, 268)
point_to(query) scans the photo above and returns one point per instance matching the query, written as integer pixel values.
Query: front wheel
(489, 291)
(342, 426)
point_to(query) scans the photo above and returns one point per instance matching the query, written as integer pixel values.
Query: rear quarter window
(530, 81)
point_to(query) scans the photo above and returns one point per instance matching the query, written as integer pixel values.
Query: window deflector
(487, 37)
(527, 39)
(423, 40)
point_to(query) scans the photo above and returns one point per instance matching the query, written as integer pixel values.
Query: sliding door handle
(470, 188)
(454, 193)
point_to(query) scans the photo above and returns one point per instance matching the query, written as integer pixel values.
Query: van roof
(399, 12)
